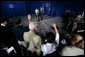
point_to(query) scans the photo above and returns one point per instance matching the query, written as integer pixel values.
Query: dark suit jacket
(19, 31)
(8, 39)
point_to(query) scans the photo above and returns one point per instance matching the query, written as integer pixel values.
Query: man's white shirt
(36, 11)
(50, 47)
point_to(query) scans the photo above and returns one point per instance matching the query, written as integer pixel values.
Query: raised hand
(29, 17)
(54, 25)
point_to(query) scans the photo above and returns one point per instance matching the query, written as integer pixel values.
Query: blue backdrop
(22, 8)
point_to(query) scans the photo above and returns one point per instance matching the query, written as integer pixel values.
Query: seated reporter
(34, 41)
(49, 49)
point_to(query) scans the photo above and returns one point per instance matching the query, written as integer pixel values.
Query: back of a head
(79, 13)
(77, 20)
(36, 8)
(4, 19)
(67, 11)
(50, 37)
(18, 21)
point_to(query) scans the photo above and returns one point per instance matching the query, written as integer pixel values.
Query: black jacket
(19, 31)
(7, 39)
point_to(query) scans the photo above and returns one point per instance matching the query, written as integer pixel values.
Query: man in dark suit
(19, 30)
(7, 39)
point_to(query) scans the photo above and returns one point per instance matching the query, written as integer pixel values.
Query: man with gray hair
(33, 39)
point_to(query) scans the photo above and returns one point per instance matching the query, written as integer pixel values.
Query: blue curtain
(13, 8)
(22, 8)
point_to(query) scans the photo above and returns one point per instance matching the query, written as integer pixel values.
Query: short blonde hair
(79, 40)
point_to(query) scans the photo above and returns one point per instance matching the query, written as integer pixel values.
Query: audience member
(80, 15)
(49, 49)
(67, 16)
(78, 41)
(18, 31)
(33, 40)
(7, 38)
(71, 24)
(69, 44)
(72, 50)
